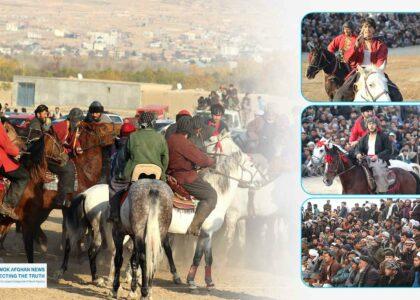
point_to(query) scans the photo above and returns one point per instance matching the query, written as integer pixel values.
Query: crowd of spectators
(395, 29)
(400, 123)
(368, 245)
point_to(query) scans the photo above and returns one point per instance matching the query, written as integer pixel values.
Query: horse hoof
(58, 275)
(132, 295)
(113, 294)
(177, 279)
(210, 286)
(100, 282)
(192, 286)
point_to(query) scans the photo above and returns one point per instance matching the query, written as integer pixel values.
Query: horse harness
(372, 98)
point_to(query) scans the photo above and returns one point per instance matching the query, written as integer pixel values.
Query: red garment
(183, 155)
(339, 43)
(378, 56)
(359, 130)
(7, 148)
(67, 139)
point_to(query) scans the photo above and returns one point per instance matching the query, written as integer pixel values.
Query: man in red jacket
(360, 129)
(183, 157)
(366, 50)
(67, 134)
(11, 169)
(343, 42)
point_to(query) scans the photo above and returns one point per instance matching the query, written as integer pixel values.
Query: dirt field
(231, 282)
(403, 69)
(314, 185)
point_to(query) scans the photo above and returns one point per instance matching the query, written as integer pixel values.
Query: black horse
(334, 69)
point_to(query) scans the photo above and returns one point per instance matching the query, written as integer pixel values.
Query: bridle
(372, 98)
(56, 145)
(321, 66)
(339, 165)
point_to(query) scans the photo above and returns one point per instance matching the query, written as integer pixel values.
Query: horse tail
(417, 181)
(75, 219)
(152, 238)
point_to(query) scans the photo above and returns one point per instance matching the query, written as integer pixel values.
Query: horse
(37, 203)
(318, 154)
(353, 178)
(371, 85)
(335, 70)
(87, 214)
(146, 215)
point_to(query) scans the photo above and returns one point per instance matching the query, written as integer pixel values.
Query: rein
(318, 67)
(61, 149)
(372, 98)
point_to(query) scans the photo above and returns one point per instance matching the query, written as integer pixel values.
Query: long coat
(383, 147)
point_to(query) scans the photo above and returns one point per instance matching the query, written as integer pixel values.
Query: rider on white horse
(364, 51)
(183, 157)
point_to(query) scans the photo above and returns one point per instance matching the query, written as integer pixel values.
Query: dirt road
(231, 282)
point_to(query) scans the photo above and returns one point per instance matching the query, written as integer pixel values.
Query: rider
(366, 50)
(67, 134)
(360, 126)
(144, 146)
(39, 124)
(377, 147)
(342, 42)
(183, 157)
(172, 128)
(217, 111)
(200, 132)
(12, 170)
(96, 115)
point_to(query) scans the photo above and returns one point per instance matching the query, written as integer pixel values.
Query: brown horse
(335, 71)
(353, 178)
(37, 203)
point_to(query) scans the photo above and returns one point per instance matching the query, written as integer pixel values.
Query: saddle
(393, 184)
(182, 199)
(51, 180)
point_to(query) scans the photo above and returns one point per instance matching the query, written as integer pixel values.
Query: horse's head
(336, 159)
(222, 143)
(53, 149)
(318, 153)
(14, 137)
(316, 60)
(98, 134)
(371, 85)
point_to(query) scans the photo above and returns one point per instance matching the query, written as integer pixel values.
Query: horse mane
(224, 166)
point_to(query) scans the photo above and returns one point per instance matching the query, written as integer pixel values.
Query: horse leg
(141, 253)
(65, 263)
(168, 251)
(18, 227)
(134, 263)
(199, 252)
(118, 259)
(208, 257)
(231, 220)
(4, 230)
(92, 253)
(28, 240)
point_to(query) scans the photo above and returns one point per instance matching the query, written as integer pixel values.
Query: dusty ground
(403, 69)
(314, 185)
(231, 282)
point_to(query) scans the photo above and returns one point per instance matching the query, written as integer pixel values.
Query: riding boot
(114, 211)
(202, 212)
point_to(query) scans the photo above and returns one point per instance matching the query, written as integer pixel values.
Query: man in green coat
(145, 146)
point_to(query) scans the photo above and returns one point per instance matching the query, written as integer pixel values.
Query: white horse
(372, 85)
(318, 154)
(232, 167)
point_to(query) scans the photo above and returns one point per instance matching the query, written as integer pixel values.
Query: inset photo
(361, 242)
(360, 149)
(363, 57)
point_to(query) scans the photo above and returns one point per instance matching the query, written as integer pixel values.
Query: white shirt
(371, 146)
(366, 58)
